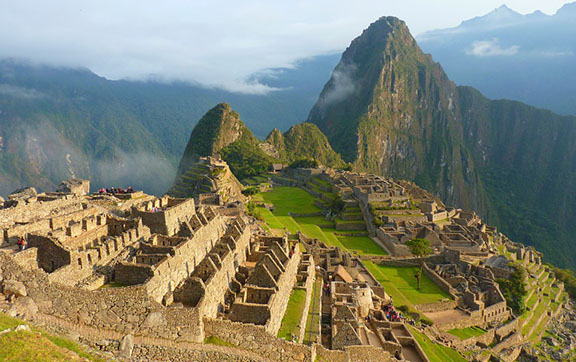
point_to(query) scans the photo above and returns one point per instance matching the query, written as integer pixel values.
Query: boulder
(25, 194)
(154, 319)
(126, 346)
(24, 307)
(22, 327)
(14, 287)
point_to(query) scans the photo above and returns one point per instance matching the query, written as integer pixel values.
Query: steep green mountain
(390, 109)
(120, 132)
(302, 141)
(221, 132)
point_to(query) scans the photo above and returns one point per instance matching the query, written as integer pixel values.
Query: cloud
(341, 84)
(217, 43)
(491, 48)
(143, 171)
(20, 92)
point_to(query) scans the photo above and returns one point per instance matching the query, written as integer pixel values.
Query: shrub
(514, 288)
(304, 163)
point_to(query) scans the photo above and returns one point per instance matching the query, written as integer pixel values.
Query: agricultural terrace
(436, 352)
(401, 284)
(465, 333)
(294, 200)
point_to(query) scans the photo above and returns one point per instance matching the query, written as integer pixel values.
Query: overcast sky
(216, 42)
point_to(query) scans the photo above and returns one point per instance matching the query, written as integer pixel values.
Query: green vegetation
(37, 345)
(400, 284)
(465, 333)
(304, 163)
(217, 341)
(245, 158)
(436, 352)
(8, 322)
(419, 247)
(514, 289)
(294, 310)
(313, 320)
(567, 277)
(295, 200)
(363, 245)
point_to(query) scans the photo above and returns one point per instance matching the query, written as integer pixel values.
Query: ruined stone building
(272, 269)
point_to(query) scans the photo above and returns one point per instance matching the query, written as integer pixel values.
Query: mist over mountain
(59, 122)
(390, 109)
(530, 58)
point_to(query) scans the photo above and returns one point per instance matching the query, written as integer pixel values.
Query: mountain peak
(218, 128)
(567, 10)
(502, 15)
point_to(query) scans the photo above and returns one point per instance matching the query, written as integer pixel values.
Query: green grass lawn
(401, 285)
(465, 333)
(436, 352)
(269, 218)
(363, 245)
(293, 314)
(290, 199)
(296, 200)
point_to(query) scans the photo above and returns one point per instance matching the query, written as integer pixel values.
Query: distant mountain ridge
(390, 109)
(55, 122)
(504, 54)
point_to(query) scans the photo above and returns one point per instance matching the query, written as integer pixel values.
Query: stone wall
(348, 226)
(174, 270)
(125, 310)
(310, 275)
(167, 221)
(436, 307)
(32, 218)
(279, 300)
(216, 287)
(395, 248)
(507, 329)
(438, 280)
(257, 339)
(485, 339)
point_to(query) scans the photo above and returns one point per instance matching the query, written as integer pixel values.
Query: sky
(216, 43)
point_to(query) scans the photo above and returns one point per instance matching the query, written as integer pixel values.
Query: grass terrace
(287, 200)
(465, 333)
(436, 352)
(293, 314)
(401, 285)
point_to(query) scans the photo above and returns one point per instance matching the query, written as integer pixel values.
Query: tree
(418, 276)
(419, 247)
(514, 288)
(304, 163)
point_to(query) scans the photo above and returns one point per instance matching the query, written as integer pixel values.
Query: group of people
(22, 243)
(115, 190)
(391, 314)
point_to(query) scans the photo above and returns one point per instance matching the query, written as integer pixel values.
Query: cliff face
(391, 110)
